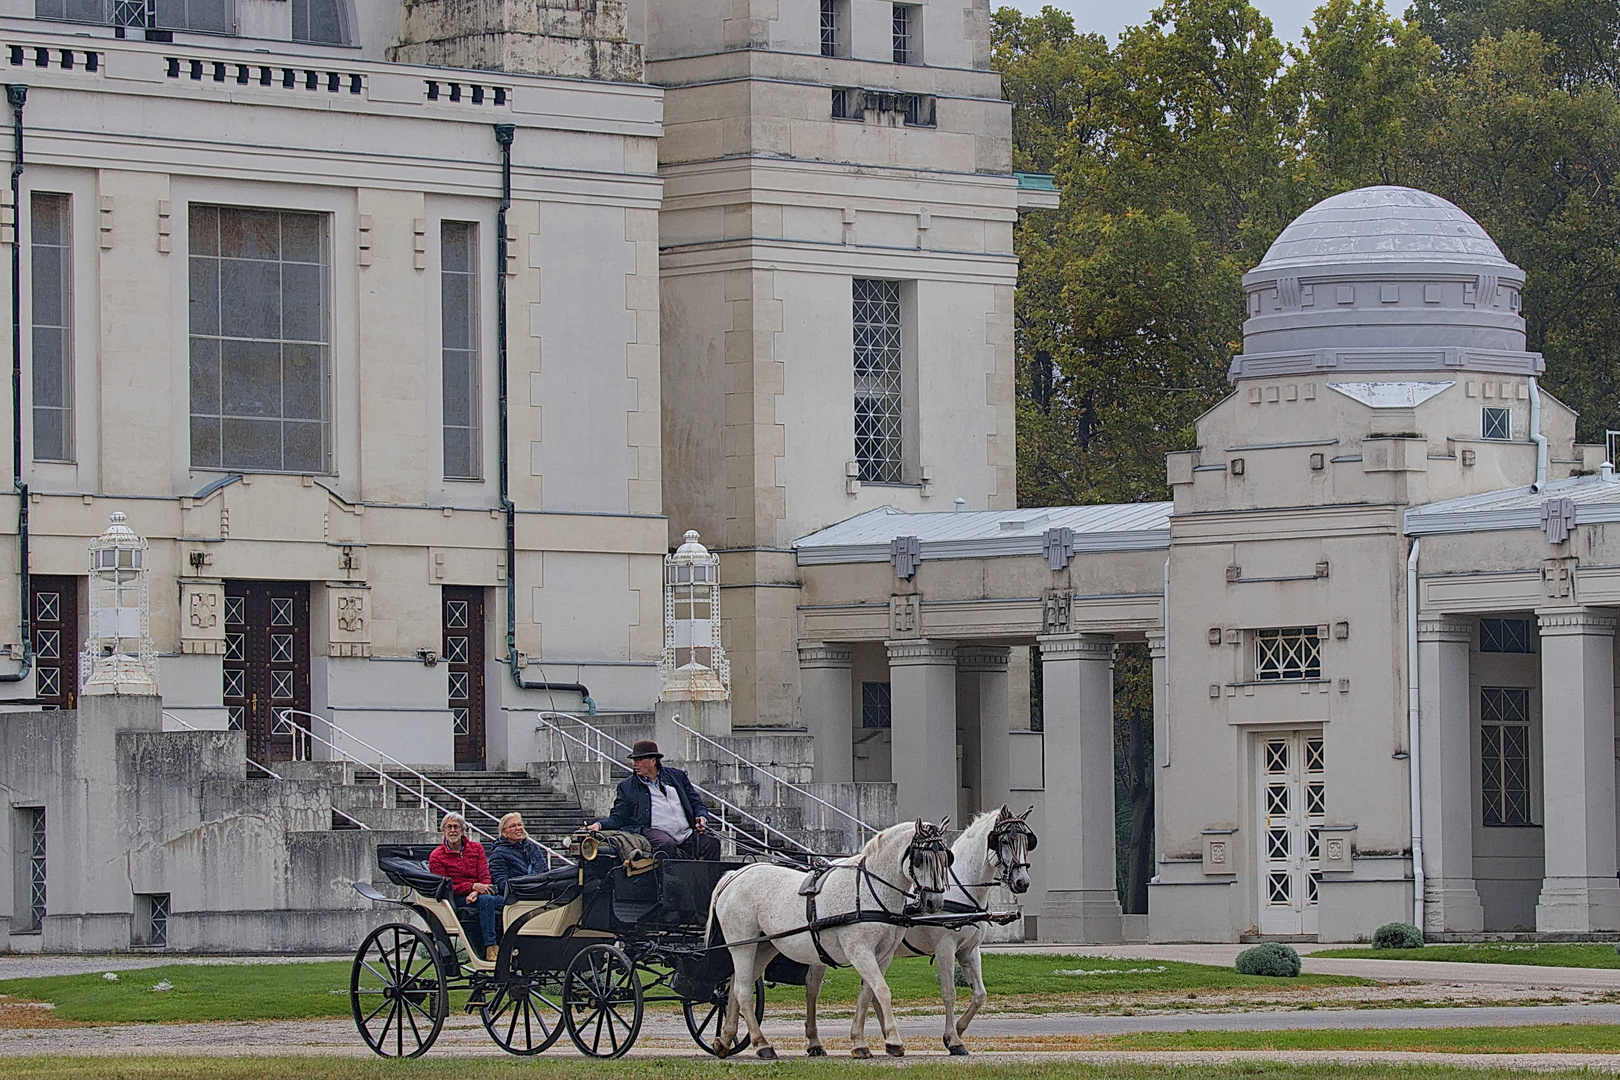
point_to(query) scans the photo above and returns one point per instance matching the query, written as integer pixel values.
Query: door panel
(266, 663)
(1292, 804)
(55, 633)
(464, 653)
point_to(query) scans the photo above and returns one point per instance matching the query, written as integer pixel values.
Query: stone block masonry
(578, 39)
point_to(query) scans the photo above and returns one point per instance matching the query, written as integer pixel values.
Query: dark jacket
(510, 860)
(632, 808)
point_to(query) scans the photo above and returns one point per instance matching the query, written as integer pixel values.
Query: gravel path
(34, 967)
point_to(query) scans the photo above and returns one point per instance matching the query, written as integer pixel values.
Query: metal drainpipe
(17, 95)
(1413, 732)
(504, 134)
(1537, 436)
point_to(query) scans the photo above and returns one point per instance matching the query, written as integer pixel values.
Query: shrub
(1269, 958)
(1397, 935)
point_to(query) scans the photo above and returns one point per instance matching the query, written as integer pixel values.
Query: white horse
(761, 912)
(994, 848)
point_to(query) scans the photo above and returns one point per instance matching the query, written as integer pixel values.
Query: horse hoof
(894, 1051)
(958, 1050)
(767, 1053)
(860, 1052)
(816, 1051)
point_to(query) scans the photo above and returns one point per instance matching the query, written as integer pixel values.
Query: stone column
(1446, 764)
(826, 701)
(1578, 893)
(922, 693)
(1077, 686)
(981, 687)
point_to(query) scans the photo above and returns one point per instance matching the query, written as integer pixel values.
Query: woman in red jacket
(462, 860)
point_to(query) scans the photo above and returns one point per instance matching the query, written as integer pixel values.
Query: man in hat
(660, 803)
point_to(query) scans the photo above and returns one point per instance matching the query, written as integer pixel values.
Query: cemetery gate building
(412, 338)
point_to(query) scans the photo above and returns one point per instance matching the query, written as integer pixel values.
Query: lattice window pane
(1291, 653)
(51, 265)
(48, 681)
(1277, 800)
(1313, 887)
(829, 27)
(1504, 705)
(462, 721)
(281, 685)
(233, 683)
(458, 686)
(48, 607)
(1277, 843)
(1505, 755)
(36, 866)
(876, 705)
(1495, 423)
(1315, 800)
(903, 17)
(455, 614)
(1506, 636)
(234, 643)
(48, 644)
(1314, 758)
(1276, 757)
(455, 650)
(236, 717)
(1313, 844)
(879, 397)
(235, 612)
(281, 611)
(458, 308)
(1281, 888)
(281, 648)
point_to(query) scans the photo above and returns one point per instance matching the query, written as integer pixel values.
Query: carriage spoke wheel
(524, 1014)
(704, 1017)
(397, 991)
(602, 1001)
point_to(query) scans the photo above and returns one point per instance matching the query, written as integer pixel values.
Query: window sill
(890, 484)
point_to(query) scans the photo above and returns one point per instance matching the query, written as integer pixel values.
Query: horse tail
(714, 902)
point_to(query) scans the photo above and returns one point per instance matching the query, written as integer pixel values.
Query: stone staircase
(550, 816)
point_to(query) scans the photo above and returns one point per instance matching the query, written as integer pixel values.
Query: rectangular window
(879, 403)
(151, 920)
(81, 11)
(322, 22)
(1504, 714)
(1496, 424)
(458, 308)
(203, 16)
(831, 27)
(1506, 636)
(28, 846)
(905, 34)
(876, 708)
(51, 266)
(1288, 653)
(260, 344)
(1037, 691)
(846, 104)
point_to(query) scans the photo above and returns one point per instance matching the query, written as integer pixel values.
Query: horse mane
(870, 848)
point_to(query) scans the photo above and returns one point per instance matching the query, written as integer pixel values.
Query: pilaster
(826, 703)
(922, 694)
(981, 708)
(1446, 764)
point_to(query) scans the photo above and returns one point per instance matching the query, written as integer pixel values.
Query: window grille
(879, 405)
(1037, 691)
(259, 340)
(1505, 755)
(35, 824)
(904, 51)
(829, 27)
(1496, 424)
(1506, 636)
(877, 710)
(152, 915)
(1292, 653)
(458, 247)
(321, 22)
(845, 104)
(51, 265)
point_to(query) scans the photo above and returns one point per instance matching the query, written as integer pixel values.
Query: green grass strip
(1491, 952)
(1537, 1039)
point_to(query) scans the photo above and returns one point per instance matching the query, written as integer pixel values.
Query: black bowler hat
(645, 748)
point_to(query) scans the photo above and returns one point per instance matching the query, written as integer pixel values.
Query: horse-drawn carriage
(583, 948)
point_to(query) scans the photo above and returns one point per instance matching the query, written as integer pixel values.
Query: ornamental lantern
(118, 657)
(693, 658)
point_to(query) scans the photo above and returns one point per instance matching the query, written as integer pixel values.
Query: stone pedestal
(1451, 902)
(696, 696)
(1578, 891)
(922, 691)
(1077, 684)
(826, 702)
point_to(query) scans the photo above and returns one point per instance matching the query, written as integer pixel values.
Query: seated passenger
(514, 855)
(462, 860)
(661, 804)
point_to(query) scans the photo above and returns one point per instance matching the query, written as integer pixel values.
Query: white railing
(592, 744)
(696, 739)
(267, 771)
(301, 736)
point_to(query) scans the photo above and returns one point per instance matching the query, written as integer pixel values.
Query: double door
(1292, 807)
(267, 666)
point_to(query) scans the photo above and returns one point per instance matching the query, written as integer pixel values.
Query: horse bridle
(1003, 839)
(928, 843)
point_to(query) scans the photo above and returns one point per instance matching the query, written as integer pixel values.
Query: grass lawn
(302, 991)
(571, 1068)
(1541, 1038)
(1492, 952)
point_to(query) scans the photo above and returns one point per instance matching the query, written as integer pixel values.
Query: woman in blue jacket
(514, 855)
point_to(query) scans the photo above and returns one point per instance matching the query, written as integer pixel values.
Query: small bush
(1269, 958)
(1397, 935)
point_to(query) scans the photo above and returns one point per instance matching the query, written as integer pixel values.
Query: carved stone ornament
(1057, 615)
(348, 620)
(905, 616)
(1557, 519)
(202, 631)
(1558, 579)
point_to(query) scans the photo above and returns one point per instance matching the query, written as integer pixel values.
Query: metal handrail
(780, 782)
(267, 770)
(284, 715)
(603, 757)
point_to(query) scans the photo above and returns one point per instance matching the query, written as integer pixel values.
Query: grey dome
(1383, 225)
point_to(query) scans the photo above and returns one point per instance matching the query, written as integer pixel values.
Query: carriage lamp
(119, 657)
(693, 657)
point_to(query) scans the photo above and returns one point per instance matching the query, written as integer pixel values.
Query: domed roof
(1383, 225)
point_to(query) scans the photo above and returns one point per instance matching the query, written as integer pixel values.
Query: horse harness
(1003, 841)
(929, 843)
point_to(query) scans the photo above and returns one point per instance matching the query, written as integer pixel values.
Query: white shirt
(667, 813)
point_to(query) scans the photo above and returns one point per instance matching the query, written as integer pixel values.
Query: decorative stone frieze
(202, 617)
(905, 616)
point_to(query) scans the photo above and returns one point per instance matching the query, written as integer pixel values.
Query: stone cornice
(1562, 622)
(983, 659)
(1059, 647)
(1443, 628)
(825, 656)
(921, 651)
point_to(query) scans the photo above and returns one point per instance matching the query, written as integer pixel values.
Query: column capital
(1560, 622)
(1445, 628)
(1076, 647)
(982, 659)
(822, 654)
(1156, 643)
(920, 651)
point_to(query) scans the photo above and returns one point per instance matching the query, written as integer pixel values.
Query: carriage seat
(545, 887)
(406, 865)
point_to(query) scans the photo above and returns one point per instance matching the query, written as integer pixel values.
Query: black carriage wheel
(703, 1018)
(601, 986)
(397, 991)
(524, 1014)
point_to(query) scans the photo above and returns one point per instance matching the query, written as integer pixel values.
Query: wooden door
(267, 664)
(464, 653)
(55, 632)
